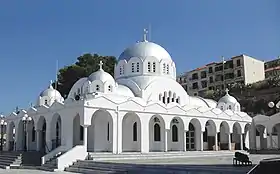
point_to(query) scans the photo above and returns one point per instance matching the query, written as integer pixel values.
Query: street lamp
(2, 123)
(25, 119)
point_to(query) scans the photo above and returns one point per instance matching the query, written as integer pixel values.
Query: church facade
(142, 109)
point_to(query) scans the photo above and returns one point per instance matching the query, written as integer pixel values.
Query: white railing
(52, 153)
(78, 152)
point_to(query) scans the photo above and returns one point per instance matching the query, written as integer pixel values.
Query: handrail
(253, 169)
(52, 154)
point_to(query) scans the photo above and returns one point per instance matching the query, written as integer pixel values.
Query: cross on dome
(50, 86)
(227, 90)
(145, 35)
(100, 64)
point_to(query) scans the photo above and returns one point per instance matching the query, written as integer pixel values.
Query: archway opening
(157, 134)
(209, 135)
(100, 132)
(11, 139)
(78, 131)
(190, 138)
(42, 127)
(131, 133)
(176, 135)
(56, 131)
(275, 137)
(31, 139)
(261, 137)
(224, 135)
(21, 137)
(246, 137)
(236, 136)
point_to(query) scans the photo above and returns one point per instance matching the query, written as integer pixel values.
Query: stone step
(48, 169)
(90, 171)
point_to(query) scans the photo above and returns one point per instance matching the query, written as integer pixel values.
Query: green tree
(85, 65)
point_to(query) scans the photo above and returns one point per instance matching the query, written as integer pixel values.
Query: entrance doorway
(190, 138)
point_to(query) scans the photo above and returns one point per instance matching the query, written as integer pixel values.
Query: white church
(141, 109)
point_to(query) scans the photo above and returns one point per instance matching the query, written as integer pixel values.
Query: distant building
(216, 75)
(272, 68)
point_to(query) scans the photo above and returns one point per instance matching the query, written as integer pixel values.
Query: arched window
(120, 70)
(154, 66)
(163, 68)
(135, 131)
(132, 67)
(149, 66)
(81, 133)
(46, 102)
(79, 91)
(229, 107)
(222, 108)
(33, 134)
(174, 133)
(137, 67)
(156, 132)
(109, 88)
(97, 88)
(167, 69)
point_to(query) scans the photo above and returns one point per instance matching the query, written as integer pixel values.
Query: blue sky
(34, 34)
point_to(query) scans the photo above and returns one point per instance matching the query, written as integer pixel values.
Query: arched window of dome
(79, 91)
(178, 100)
(222, 107)
(174, 97)
(135, 131)
(137, 66)
(160, 97)
(46, 102)
(167, 69)
(154, 66)
(229, 107)
(109, 88)
(132, 67)
(149, 66)
(163, 68)
(156, 132)
(97, 88)
(174, 133)
(121, 70)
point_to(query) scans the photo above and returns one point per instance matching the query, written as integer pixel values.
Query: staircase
(8, 159)
(50, 165)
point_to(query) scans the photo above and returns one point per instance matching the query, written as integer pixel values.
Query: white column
(184, 140)
(241, 141)
(201, 141)
(216, 142)
(145, 136)
(229, 141)
(38, 140)
(165, 140)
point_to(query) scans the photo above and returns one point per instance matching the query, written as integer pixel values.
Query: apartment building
(272, 68)
(216, 75)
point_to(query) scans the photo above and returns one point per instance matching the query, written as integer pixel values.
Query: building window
(222, 108)
(137, 67)
(33, 134)
(163, 69)
(149, 66)
(210, 70)
(154, 66)
(174, 133)
(229, 107)
(97, 88)
(109, 88)
(135, 131)
(81, 133)
(211, 80)
(239, 73)
(156, 132)
(46, 102)
(108, 130)
(238, 62)
(167, 69)
(132, 67)
(195, 85)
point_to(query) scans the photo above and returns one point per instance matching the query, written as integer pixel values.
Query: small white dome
(101, 75)
(228, 99)
(145, 49)
(51, 92)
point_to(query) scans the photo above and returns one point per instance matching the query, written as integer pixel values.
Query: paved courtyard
(219, 163)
